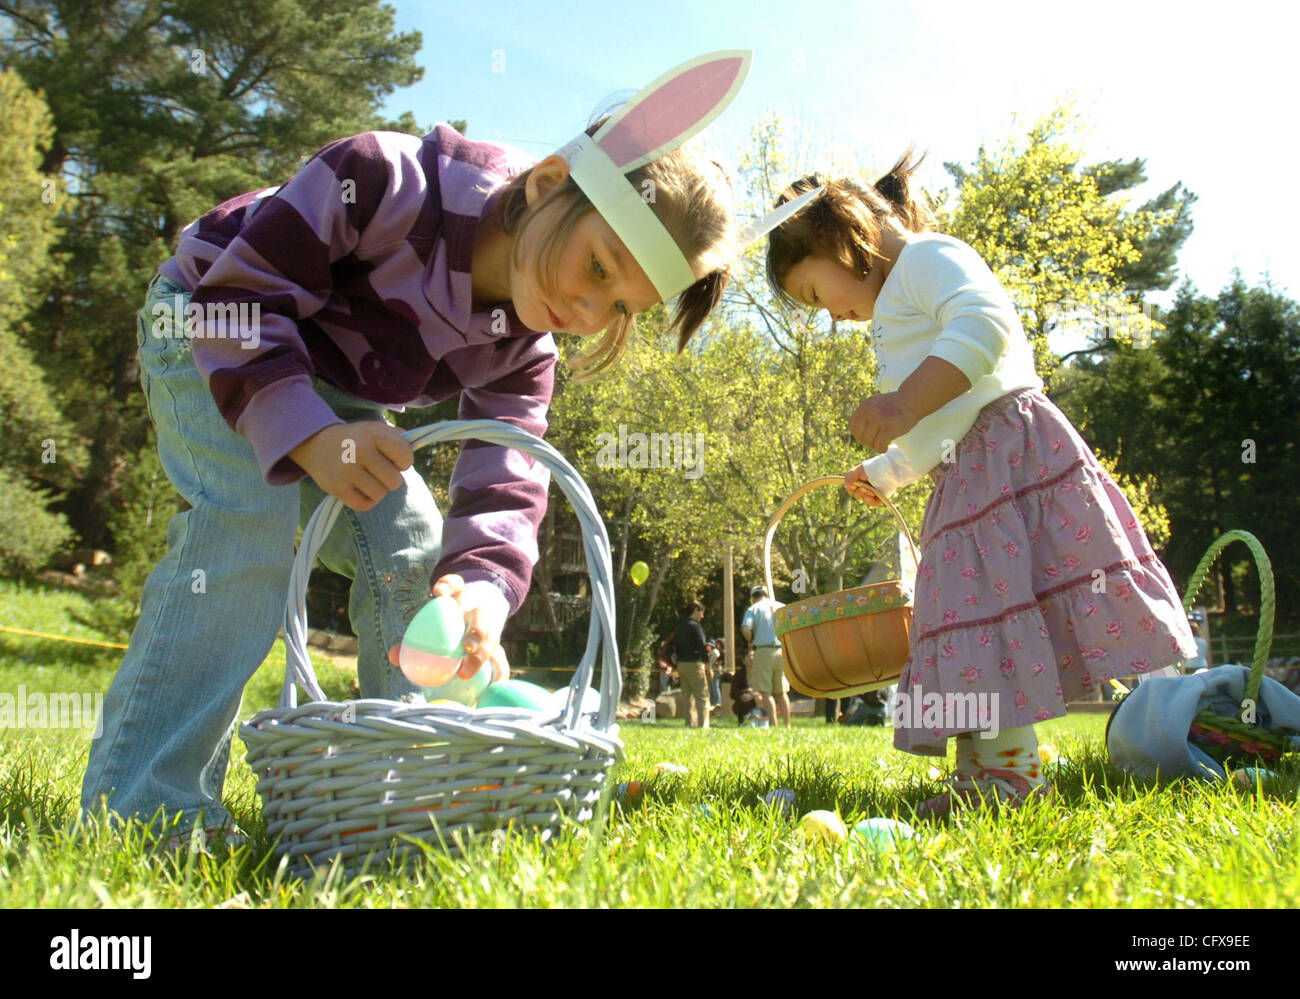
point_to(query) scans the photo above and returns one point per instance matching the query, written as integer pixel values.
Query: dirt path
(336, 658)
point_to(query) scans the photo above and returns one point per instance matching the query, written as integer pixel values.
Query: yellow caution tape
(62, 638)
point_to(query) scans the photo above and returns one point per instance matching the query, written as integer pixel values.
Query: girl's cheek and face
(819, 283)
(597, 281)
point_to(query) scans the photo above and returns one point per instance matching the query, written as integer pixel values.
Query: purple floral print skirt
(1036, 582)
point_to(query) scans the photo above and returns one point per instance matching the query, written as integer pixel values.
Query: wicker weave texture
(850, 641)
(370, 779)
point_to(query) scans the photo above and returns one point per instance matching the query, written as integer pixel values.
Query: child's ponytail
(896, 188)
(844, 222)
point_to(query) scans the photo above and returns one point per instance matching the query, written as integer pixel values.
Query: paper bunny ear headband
(659, 119)
(662, 117)
(755, 231)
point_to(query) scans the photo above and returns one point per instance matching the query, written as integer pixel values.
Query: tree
(162, 109)
(1061, 238)
(38, 452)
(1212, 413)
(1170, 212)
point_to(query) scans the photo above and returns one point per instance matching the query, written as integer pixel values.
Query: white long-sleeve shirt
(940, 299)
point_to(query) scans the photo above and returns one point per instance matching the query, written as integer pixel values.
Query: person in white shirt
(1036, 582)
(767, 676)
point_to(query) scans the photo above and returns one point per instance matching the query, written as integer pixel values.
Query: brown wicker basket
(850, 641)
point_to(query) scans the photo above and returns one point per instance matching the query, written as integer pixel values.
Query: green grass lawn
(702, 839)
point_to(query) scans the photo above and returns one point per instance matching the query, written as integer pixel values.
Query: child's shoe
(996, 788)
(204, 840)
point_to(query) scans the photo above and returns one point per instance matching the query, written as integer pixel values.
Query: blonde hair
(692, 198)
(843, 223)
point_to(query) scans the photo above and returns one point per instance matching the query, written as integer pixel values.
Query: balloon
(639, 572)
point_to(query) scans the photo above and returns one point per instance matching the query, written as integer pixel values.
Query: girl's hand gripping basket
(369, 779)
(850, 641)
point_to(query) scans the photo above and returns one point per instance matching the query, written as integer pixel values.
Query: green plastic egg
(515, 694)
(427, 655)
(438, 628)
(883, 834)
(462, 691)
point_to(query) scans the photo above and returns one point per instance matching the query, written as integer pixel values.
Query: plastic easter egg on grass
(432, 641)
(669, 768)
(782, 798)
(515, 694)
(1047, 754)
(460, 690)
(824, 828)
(879, 833)
(629, 792)
(1248, 777)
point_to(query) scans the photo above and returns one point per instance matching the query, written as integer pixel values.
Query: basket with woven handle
(850, 641)
(369, 779)
(1226, 737)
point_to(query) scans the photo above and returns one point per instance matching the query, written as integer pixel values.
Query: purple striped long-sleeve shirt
(360, 270)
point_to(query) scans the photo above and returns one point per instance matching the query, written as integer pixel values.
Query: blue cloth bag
(1148, 731)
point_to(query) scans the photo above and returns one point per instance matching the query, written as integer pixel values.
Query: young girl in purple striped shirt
(389, 271)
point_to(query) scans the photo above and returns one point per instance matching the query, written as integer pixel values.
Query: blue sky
(1204, 93)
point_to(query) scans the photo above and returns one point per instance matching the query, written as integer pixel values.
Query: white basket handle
(595, 542)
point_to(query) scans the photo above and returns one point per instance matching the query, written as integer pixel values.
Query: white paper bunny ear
(656, 121)
(755, 231)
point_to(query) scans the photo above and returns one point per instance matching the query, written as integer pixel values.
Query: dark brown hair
(843, 223)
(692, 198)
(692, 607)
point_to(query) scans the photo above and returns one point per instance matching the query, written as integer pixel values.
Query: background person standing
(768, 675)
(692, 664)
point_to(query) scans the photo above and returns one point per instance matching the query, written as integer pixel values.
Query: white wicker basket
(365, 780)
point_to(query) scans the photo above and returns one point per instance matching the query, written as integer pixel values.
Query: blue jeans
(211, 609)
